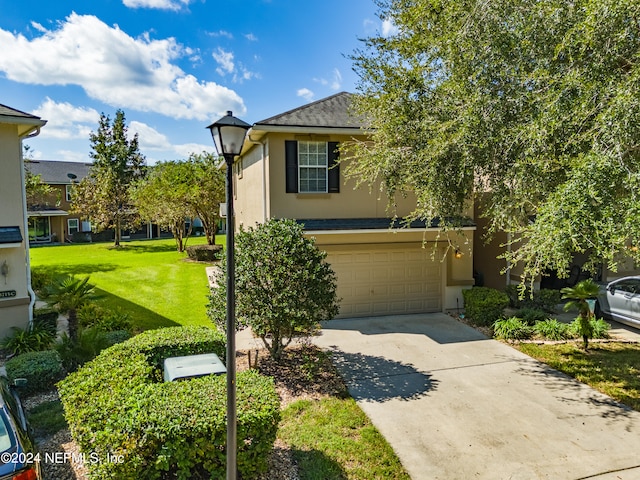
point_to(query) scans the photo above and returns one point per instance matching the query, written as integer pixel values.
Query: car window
(627, 286)
(6, 439)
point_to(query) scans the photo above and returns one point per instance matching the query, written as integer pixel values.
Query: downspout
(32, 294)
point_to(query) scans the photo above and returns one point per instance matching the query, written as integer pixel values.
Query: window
(312, 167)
(312, 164)
(39, 227)
(68, 190)
(73, 226)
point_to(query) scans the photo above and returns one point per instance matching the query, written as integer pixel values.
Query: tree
(209, 192)
(38, 193)
(67, 295)
(578, 296)
(533, 104)
(103, 196)
(163, 197)
(284, 288)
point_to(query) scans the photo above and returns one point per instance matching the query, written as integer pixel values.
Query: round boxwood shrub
(131, 425)
(41, 369)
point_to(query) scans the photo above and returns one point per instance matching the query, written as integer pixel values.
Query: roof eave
(300, 129)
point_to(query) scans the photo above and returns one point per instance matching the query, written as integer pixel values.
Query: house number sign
(7, 293)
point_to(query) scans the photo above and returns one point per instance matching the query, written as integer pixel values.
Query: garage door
(386, 279)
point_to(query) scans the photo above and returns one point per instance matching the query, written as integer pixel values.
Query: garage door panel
(386, 279)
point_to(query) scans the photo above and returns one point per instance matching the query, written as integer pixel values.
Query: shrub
(552, 329)
(75, 353)
(117, 405)
(484, 305)
(205, 253)
(32, 339)
(512, 328)
(116, 336)
(41, 369)
(531, 315)
(543, 299)
(46, 319)
(93, 315)
(284, 288)
(40, 279)
(598, 328)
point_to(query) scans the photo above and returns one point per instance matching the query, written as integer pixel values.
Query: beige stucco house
(50, 219)
(289, 169)
(16, 296)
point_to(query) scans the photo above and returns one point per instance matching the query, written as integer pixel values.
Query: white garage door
(386, 279)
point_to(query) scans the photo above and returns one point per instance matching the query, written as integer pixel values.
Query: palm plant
(67, 296)
(578, 296)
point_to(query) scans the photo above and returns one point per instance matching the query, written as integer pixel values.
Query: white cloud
(221, 33)
(305, 93)
(388, 28)
(225, 60)
(251, 37)
(115, 68)
(159, 4)
(65, 121)
(151, 140)
(335, 82)
(72, 156)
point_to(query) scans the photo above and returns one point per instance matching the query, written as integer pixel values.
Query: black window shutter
(334, 168)
(291, 161)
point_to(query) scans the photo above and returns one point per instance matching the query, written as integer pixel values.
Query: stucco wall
(14, 311)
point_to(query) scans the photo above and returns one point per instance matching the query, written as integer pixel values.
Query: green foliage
(41, 369)
(67, 295)
(209, 192)
(594, 328)
(531, 315)
(117, 405)
(552, 329)
(46, 319)
(543, 299)
(47, 418)
(205, 253)
(116, 336)
(32, 339)
(484, 305)
(578, 296)
(284, 288)
(40, 278)
(76, 352)
(532, 103)
(104, 319)
(512, 328)
(104, 194)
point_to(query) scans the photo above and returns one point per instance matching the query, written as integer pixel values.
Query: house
(16, 296)
(289, 169)
(50, 219)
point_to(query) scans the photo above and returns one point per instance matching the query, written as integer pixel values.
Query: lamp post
(228, 136)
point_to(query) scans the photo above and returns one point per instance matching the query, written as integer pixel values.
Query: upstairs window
(312, 167)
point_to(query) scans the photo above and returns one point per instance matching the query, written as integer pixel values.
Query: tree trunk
(116, 236)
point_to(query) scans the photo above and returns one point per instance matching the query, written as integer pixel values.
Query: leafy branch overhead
(529, 108)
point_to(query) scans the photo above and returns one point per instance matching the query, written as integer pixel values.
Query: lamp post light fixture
(228, 136)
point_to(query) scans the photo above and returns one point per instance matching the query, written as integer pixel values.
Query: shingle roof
(57, 172)
(330, 112)
(12, 112)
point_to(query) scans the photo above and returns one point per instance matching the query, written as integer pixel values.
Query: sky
(172, 66)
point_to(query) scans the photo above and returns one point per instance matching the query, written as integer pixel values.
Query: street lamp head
(228, 135)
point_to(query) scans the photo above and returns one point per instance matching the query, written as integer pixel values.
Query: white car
(619, 300)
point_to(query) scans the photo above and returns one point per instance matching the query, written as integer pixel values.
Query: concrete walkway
(455, 405)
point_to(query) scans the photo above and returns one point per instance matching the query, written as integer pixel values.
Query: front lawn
(612, 368)
(149, 279)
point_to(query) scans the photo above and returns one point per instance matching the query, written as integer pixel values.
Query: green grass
(332, 439)
(149, 279)
(612, 368)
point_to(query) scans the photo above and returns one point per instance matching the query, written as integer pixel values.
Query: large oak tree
(533, 103)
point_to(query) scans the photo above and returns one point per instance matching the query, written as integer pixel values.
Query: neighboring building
(50, 219)
(289, 170)
(16, 297)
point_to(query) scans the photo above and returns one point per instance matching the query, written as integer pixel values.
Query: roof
(10, 235)
(329, 112)
(26, 121)
(372, 223)
(56, 172)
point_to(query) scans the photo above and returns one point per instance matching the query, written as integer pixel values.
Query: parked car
(19, 458)
(619, 300)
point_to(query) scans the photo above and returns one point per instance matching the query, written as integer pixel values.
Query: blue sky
(173, 66)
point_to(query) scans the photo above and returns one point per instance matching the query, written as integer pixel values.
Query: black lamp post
(228, 135)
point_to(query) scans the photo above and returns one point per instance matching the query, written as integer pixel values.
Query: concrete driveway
(456, 405)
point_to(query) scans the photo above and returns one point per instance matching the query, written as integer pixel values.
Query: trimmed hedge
(205, 253)
(118, 407)
(484, 305)
(41, 369)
